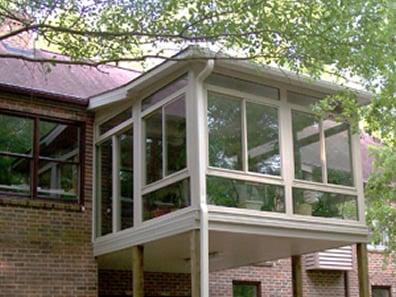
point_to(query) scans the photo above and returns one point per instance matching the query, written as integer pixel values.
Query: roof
(70, 83)
(197, 53)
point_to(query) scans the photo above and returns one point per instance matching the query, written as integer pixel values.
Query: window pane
(15, 174)
(244, 290)
(16, 134)
(323, 204)
(105, 187)
(306, 138)
(381, 292)
(166, 200)
(126, 178)
(59, 141)
(338, 153)
(225, 131)
(175, 121)
(115, 121)
(243, 194)
(58, 181)
(243, 86)
(301, 99)
(153, 128)
(164, 92)
(263, 139)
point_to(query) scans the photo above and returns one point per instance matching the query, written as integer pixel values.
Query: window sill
(18, 201)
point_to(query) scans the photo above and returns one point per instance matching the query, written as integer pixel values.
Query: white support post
(358, 176)
(116, 207)
(286, 149)
(137, 164)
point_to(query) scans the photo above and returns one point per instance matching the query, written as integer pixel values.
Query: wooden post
(297, 276)
(138, 271)
(195, 263)
(362, 262)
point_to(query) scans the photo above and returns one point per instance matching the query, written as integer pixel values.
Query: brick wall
(45, 247)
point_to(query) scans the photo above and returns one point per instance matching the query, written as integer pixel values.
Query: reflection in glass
(59, 141)
(166, 200)
(241, 85)
(105, 186)
(115, 121)
(245, 290)
(16, 134)
(242, 194)
(338, 153)
(324, 204)
(175, 131)
(153, 141)
(164, 92)
(225, 130)
(57, 181)
(306, 138)
(263, 139)
(126, 178)
(15, 174)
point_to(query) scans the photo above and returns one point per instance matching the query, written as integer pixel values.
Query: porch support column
(137, 271)
(195, 264)
(362, 263)
(297, 281)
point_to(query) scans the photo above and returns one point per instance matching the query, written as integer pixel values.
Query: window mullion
(164, 148)
(35, 165)
(323, 152)
(245, 157)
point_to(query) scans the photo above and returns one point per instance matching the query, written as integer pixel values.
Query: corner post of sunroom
(197, 152)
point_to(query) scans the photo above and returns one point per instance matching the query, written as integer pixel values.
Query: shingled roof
(71, 83)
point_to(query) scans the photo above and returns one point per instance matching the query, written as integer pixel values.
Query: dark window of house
(40, 157)
(164, 92)
(126, 177)
(115, 121)
(380, 291)
(246, 289)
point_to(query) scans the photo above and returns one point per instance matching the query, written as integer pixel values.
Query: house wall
(274, 279)
(45, 247)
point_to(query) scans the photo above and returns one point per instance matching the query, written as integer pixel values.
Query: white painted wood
(116, 130)
(168, 180)
(116, 195)
(246, 176)
(138, 173)
(332, 259)
(96, 193)
(286, 150)
(358, 176)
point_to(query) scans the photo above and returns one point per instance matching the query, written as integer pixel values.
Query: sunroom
(224, 157)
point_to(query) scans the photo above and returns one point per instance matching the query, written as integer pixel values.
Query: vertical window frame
(35, 157)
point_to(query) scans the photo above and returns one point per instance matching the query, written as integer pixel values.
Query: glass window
(57, 157)
(166, 200)
(243, 194)
(378, 291)
(225, 131)
(306, 139)
(175, 135)
(115, 121)
(154, 156)
(245, 289)
(171, 138)
(263, 139)
(243, 86)
(324, 204)
(105, 182)
(16, 154)
(338, 153)
(301, 99)
(58, 170)
(126, 178)
(164, 92)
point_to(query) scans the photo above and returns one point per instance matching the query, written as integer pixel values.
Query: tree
(343, 39)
